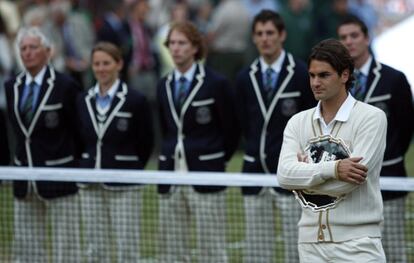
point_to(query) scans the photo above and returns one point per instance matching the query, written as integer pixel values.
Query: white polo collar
(343, 113)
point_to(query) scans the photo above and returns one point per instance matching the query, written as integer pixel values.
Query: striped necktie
(358, 89)
(270, 79)
(27, 109)
(182, 91)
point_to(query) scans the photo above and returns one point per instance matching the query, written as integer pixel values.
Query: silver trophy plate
(322, 149)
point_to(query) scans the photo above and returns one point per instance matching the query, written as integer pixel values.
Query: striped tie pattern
(27, 109)
(358, 89)
(269, 82)
(182, 91)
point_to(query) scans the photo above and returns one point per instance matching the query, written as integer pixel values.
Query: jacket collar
(285, 75)
(116, 104)
(48, 84)
(195, 86)
(373, 79)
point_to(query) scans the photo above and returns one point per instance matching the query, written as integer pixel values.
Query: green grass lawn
(409, 161)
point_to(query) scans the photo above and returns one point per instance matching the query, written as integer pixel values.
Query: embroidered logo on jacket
(203, 115)
(289, 107)
(51, 119)
(122, 125)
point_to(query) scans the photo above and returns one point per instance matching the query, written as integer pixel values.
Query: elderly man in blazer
(199, 128)
(389, 90)
(41, 108)
(270, 91)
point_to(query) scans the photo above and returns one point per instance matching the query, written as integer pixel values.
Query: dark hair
(335, 54)
(352, 19)
(194, 36)
(268, 15)
(108, 48)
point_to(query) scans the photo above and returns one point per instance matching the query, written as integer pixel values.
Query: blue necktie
(27, 109)
(270, 79)
(181, 91)
(358, 89)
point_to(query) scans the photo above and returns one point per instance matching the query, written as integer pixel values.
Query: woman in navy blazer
(116, 130)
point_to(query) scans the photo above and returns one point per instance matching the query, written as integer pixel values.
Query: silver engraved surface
(322, 149)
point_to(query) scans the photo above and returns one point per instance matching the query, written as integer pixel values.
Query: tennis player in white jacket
(331, 158)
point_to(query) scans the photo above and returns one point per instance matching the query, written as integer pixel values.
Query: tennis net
(129, 220)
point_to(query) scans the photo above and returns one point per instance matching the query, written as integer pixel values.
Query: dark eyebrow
(321, 74)
(324, 73)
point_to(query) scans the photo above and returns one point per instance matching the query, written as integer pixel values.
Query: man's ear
(345, 76)
(49, 51)
(283, 36)
(120, 65)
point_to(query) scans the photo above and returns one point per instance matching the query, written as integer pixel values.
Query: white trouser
(30, 228)
(111, 224)
(177, 210)
(260, 226)
(393, 230)
(361, 250)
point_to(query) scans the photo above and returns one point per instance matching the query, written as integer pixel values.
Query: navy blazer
(125, 140)
(51, 139)
(263, 122)
(204, 132)
(389, 90)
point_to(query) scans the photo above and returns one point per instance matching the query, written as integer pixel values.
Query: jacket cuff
(328, 170)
